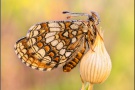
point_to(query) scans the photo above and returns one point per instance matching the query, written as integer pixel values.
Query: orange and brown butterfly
(51, 44)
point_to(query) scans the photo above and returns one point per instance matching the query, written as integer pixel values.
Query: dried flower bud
(96, 65)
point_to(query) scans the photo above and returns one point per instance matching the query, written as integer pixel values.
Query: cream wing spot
(62, 25)
(50, 34)
(63, 42)
(65, 34)
(63, 60)
(78, 23)
(35, 64)
(35, 48)
(34, 67)
(49, 39)
(60, 45)
(27, 64)
(29, 42)
(47, 58)
(18, 49)
(42, 52)
(44, 61)
(38, 56)
(24, 51)
(85, 29)
(19, 44)
(21, 47)
(49, 69)
(57, 36)
(53, 64)
(35, 33)
(53, 25)
(74, 32)
(41, 69)
(55, 29)
(30, 34)
(67, 54)
(73, 40)
(54, 43)
(22, 61)
(74, 26)
(38, 27)
(33, 40)
(26, 56)
(19, 56)
(62, 51)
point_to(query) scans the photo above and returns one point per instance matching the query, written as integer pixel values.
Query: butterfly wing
(52, 44)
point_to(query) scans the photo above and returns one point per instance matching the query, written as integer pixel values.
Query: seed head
(96, 65)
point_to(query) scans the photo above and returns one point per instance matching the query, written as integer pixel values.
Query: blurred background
(117, 22)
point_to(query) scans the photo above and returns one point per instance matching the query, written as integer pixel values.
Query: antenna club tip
(64, 12)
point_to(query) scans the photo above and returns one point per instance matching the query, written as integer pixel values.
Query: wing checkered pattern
(51, 44)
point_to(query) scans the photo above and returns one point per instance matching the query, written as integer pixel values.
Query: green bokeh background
(117, 22)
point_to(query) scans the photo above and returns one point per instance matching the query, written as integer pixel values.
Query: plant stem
(90, 86)
(82, 86)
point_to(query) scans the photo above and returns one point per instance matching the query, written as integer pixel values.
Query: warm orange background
(116, 20)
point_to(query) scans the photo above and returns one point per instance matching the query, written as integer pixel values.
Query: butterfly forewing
(51, 44)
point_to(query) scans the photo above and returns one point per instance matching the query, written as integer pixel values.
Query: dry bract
(96, 65)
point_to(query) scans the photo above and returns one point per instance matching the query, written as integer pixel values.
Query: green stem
(90, 86)
(82, 86)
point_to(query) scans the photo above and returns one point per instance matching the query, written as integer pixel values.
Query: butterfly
(51, 44)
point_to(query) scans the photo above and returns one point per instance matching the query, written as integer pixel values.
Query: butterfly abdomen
(71, 64)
